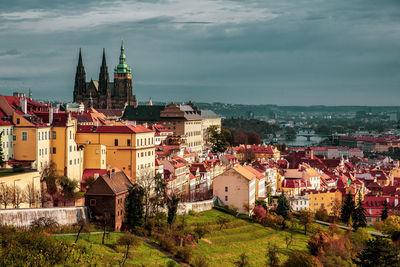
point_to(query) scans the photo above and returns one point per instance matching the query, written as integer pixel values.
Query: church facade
(103, 94)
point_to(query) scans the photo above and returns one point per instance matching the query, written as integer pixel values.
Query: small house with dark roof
(106, 198)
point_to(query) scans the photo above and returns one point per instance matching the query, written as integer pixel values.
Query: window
(226, 189)
(18, 121)
(24, 136)
(54, 135)
(115, 142)
(70, 148)
(128, 142)
(226, 198)
(54, 150)
(70, 162)
(93, 202)
(39, 136)
(45, 136)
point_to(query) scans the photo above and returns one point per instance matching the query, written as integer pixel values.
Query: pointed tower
(104, 100)
(80, 80)
(122, 82)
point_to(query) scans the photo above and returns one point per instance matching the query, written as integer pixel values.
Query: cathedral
(103, 94)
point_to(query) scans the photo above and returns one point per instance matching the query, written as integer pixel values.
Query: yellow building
(65, 153)
(95, 156)
(128, 148)
(31, 141)
(323, 199)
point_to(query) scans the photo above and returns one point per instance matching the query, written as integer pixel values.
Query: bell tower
(122, 82)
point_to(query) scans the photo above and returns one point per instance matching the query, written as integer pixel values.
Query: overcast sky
(298, 52)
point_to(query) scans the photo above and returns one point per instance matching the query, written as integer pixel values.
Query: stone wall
(198, 206)
(24, 217)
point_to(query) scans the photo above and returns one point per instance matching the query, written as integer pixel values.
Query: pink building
(237, 187)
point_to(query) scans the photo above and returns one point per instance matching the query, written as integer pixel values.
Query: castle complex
(102, 93)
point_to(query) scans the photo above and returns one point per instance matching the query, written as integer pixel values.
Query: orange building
(129, 148)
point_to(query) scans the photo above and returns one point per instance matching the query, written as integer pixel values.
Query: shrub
(395, 236)
(200, 261)
(334, 229)
(185, 253)
(391, 225)
(271, 220)
(192, 213)
(167, 243)
(302, 259)
(44, 222)
(259, 213)
(201, 230)
(149, 225)
(317, 242)
(32, 248)
(234, 210)
(322, 214)
(359, 239)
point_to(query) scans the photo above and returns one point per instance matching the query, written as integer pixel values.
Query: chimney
(23, 104)
(51, 111)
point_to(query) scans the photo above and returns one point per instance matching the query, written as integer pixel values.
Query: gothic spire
(104, 82)
(80, 79)
(122, 67)
(103, 62)
(80, 63)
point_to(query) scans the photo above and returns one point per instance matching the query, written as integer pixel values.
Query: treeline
(261, 128)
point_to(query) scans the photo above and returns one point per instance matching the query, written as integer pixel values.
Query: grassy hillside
(109, 254)
(223, 247)
(220, 247)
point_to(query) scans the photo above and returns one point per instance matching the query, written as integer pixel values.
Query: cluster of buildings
(370, 143)
(106, 135)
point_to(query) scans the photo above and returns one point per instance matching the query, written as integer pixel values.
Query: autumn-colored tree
(306, 218)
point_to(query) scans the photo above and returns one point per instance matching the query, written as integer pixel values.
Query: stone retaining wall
(62, 215)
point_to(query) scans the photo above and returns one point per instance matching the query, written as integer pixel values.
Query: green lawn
(109, 254)
(223, 247)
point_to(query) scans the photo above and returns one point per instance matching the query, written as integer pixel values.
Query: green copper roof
(122, 67)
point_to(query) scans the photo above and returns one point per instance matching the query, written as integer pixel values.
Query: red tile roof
(112, 129)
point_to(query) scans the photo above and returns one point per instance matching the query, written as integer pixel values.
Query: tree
(321, 214)
(134, 207)
(336, 209)
(359, 214)
(6, 195)
(283, 207)
(391, 225)
(83, 226)
(306, 218)
(222, 222)
(128, 240)
(302, 259)
(29, 194)
(88, 183)
(172, 205)
(290, 133)
(68, 187)
(379, 252)
(272, 256)
(105, 222)
(146, 181)
(243, 261)
(385, 211)
(253, 138)
(49, 176)
(18, 196)
(347, 209)
(220, 139)
(158, 199)
(317, 242)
